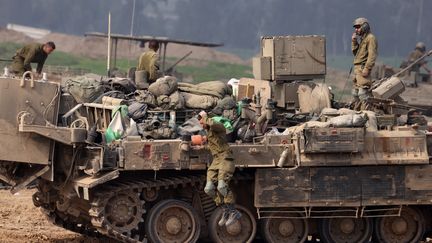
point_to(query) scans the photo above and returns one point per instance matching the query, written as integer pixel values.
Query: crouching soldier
(220, 170)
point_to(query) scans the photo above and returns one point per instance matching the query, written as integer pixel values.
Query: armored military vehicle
(298, 182)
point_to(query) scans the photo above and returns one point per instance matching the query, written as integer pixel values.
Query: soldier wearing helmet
(365, 49)
(419, 51)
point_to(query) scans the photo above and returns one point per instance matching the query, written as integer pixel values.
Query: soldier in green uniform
(365, 50)
(31, 53)
(220, 170)
(149, 61)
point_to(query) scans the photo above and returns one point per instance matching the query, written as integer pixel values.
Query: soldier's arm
(28, 58)
(140, 64)
(372, 53)
(40, 66)
(154, 67)
(354, 46)
(215, 126)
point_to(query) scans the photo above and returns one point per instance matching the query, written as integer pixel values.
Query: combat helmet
(360, 21)
(364, 25)
(421, 46)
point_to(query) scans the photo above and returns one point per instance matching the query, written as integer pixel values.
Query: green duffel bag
(84, 89)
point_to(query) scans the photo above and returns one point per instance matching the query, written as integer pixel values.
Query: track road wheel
(242, 231)
(409, 227)
(172, 221)
(345, 230)
(123, 211)
(283, 230)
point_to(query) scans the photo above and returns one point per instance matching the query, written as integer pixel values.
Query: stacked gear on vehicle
(150, 108)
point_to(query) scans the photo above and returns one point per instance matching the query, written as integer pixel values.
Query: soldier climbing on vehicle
(364, 48)
(220, 171)
(31, 53)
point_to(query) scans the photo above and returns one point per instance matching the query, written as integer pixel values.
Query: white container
(6, 72)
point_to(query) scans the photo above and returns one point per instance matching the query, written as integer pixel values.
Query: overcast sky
(398, 24)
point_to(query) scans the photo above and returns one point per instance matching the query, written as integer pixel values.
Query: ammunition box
(386, 120)
(294, 57)
(330, 140)
(261, 68)
(389, 88)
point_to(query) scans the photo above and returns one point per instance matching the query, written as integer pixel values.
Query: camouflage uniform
(148, 61)
(222, 167)
(26, 55)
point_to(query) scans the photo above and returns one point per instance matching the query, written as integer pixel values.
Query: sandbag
(354, 120)
(313, 100)
(124, 85)
(214, 88)
(227, 103)
(163, 102)
(84, 89)
(177, 101)
(163, 86)
(195, 101)
(144, 96)
(173, 102)
(301, 127)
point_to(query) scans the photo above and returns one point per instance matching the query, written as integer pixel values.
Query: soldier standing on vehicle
(220, 170)
(149, 61)
(36, 53)
(419, 51)
(365, 49)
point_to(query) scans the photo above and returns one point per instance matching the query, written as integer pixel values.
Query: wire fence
(52, 69)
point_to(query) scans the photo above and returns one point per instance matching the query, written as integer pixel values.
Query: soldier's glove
(365, 72)
(222, 187)
(209, 189)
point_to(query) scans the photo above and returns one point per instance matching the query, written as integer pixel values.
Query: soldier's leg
(362, 84)
(212, 177)
(355, 99)
(17, 67)
(354, 92)
(226, 172)
(364, 94)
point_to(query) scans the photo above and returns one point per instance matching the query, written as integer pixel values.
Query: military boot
(234, 215)
(225, 215)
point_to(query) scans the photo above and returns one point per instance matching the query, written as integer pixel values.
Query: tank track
(56, 219)
(105, 192)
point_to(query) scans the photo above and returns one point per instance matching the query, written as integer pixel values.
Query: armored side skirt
(343, 186)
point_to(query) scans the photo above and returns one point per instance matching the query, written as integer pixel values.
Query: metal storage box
(261, 67)
(295, 57)
(330, 140)
(389, 88)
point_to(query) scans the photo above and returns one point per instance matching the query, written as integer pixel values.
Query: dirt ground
(20, 221)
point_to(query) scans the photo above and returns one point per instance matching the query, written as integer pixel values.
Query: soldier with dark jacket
(31, 53)
(365, 50)
(148, 62)
(220, 170)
